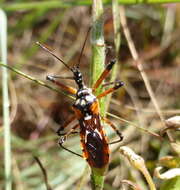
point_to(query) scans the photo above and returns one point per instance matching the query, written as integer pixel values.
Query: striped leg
(117, 85)
(61, 85)
(103, 75)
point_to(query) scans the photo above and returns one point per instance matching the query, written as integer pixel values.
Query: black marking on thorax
(84, 99)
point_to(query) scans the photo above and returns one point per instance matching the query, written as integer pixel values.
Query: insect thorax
(84, 99)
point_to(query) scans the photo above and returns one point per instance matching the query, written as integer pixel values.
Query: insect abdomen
(95, 149)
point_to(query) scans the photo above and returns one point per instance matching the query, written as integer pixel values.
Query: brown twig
(139, 65)
(48, 187)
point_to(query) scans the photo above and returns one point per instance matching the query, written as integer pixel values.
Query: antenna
(79, 60)
(49, 51)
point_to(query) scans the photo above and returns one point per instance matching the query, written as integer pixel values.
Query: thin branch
(135, 125)
(139, 65)
(35, 80)
(48, 187)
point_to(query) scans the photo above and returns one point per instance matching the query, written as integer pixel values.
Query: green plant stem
(6, 119)
(65, 4)
(36, 80)
(97, 181)
(98, 48)
(97, 67)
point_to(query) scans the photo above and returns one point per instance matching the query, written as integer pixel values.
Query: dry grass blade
(48, 187)
(6, 104)
(139, 65)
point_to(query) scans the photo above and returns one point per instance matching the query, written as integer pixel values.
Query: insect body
(93, 139)
(94, 143)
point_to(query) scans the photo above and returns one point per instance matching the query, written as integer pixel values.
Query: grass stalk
(97, 66)
(168, 26)
(6, 118)
(66, 4)
(131, 124)
(98, 47)
(39, 82)
(116, 26)
(139, 65)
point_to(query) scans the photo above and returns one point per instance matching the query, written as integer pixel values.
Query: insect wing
(94, 142)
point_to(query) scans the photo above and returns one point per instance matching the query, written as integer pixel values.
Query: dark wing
(94, 142)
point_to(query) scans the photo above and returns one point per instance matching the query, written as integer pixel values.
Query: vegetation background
(36, 112)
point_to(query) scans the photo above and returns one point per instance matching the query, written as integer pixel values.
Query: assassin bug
(95, 146)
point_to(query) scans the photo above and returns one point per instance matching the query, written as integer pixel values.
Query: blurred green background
(37, 112)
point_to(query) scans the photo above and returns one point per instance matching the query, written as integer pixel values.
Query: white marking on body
(98, 133)
(89, 90)
(87, 132)
(87, 117)
(90, 98)
(77, 102)
(83, 103)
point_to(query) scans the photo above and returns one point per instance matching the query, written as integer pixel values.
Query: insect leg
(61, 145)
(69, 89)
(63, 139)
(62, 128)
(117, 85)
(109, 83)
(62, 77)
(71, 131)
(103, 75)
(115, 129)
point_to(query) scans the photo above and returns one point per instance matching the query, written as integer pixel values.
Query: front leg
(68, 89)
